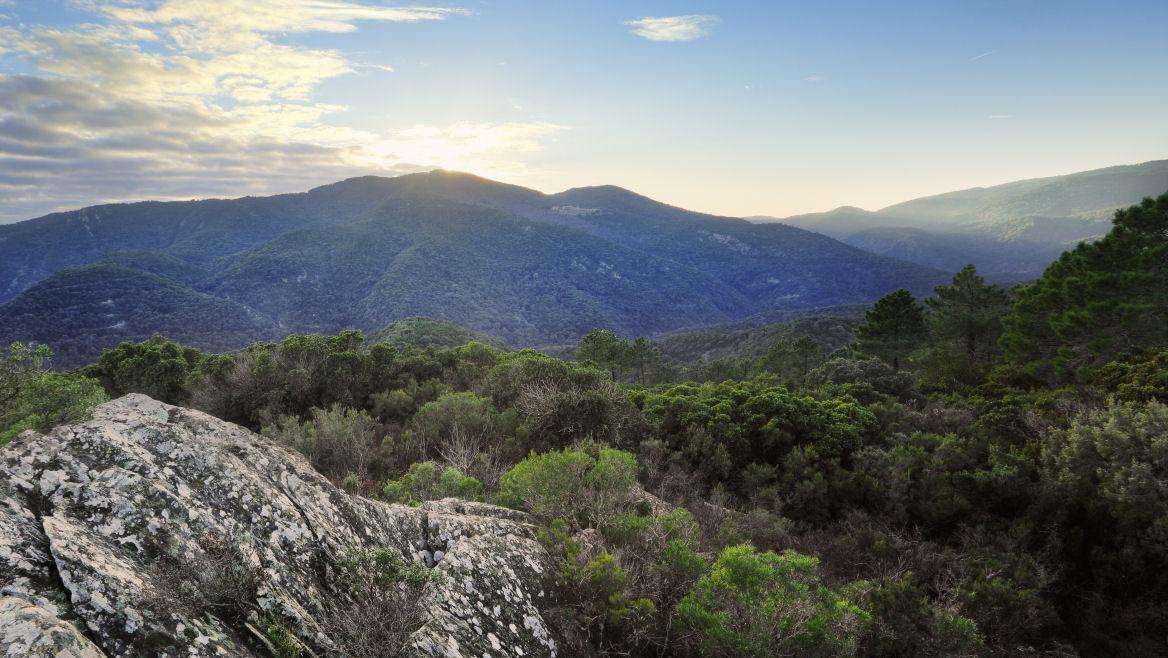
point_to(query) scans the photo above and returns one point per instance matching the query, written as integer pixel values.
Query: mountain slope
(1094, 194)
(80, 311)
(199, 232)
(510, 262)
(1011, 231)
(418, 332)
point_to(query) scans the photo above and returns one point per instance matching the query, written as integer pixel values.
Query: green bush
(767, 604)
(429, 481)
(906, 623)
(33, 397)
(374, 608)
(761, 440)
(571, 484)
(156, 367)
(338, 440)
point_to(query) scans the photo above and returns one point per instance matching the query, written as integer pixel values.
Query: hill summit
(527, 267)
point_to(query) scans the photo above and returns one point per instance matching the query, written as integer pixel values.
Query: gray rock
(87, 510)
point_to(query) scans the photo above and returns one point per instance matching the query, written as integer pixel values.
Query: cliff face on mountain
(104, 521)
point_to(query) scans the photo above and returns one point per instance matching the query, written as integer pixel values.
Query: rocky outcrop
(91, 511)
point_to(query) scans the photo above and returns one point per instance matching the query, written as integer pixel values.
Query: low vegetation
(980, 472)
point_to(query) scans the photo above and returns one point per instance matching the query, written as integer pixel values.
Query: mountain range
(527, 267)
(1011, 231)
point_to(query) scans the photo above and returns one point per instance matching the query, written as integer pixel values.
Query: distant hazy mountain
(514, 263)
(1011, 231)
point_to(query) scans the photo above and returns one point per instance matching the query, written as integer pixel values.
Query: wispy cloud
(815, 79)
(998, 117)
(377, 67)
(673, 28)
(184, 98)
(982, 55)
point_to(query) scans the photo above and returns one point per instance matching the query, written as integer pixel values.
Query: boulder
(92, 512)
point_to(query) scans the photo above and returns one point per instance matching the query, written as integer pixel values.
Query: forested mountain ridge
(514, 263)
(1010, 231)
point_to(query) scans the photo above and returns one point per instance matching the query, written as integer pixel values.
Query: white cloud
(673, 28)
(998, 117)
(186, 98)
(982, 55)
(815, 79)
(377, 67)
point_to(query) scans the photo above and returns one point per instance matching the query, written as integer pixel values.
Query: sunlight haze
(735, 108)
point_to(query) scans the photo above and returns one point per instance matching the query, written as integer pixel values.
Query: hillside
(514, 263)
(1011, 231)
(79, 311)
(429, 334)
(831, 329)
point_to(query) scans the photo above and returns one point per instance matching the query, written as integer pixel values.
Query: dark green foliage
(906, 623)
(964, 322)
(1106, 475)
(559, 402)
(638, 360)
(267, 380)
(156, 367)
(1101, 302)
(78, 312)
(892, 329)
(866, 380)
(761, 439)
(605, 349)
(831, 329)
(790, 361)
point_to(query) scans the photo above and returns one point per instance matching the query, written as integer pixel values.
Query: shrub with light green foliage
(338, 440)
(462, 418)
(33, 397)
(571, 484)
(429, 481)
(1138, 380)
(768, 604)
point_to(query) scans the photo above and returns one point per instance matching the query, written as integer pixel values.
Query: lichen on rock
(91, 510)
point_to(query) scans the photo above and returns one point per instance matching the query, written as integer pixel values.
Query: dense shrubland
(980, 473)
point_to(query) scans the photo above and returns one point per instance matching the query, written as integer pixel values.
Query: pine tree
(791, 360)
(1101, 302)
(964, 322)
(892, 328)
(605, 349)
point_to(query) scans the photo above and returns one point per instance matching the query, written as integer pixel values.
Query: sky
(735, 108)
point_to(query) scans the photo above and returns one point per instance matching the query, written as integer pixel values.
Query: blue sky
(736, 108)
